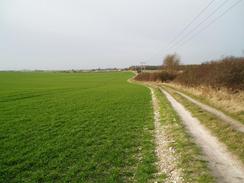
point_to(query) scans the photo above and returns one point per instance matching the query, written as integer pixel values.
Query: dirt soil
(224, 165)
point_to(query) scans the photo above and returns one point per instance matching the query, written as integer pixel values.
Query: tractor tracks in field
(224, 165)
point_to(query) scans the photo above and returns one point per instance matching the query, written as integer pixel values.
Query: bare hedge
(228, 72)
(162, 76)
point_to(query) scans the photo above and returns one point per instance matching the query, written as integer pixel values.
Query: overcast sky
(84, 34)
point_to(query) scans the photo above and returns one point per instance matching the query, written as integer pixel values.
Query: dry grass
(231, 138)
(230, 103)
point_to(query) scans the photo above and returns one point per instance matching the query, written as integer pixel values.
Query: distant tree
(171, 62)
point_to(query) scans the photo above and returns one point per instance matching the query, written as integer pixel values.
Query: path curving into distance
(224, 165)
(237, 125)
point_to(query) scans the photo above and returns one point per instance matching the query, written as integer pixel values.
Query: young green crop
(75, 127)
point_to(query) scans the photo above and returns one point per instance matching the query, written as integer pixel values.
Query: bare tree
(171, 62)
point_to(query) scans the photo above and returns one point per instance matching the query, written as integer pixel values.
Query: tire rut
(167, 160)
(224, 165)
(237, 125)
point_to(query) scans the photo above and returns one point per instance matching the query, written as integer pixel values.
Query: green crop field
(74, 127)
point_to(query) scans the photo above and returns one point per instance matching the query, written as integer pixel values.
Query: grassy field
(84, 127)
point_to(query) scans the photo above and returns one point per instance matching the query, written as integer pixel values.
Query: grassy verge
(232, 138)
(193, 166)
(230, 104)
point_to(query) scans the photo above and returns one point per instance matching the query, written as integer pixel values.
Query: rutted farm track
(236, 125)
(166, 156)
(225, 166)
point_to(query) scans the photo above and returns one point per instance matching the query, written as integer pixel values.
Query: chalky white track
(224, 165)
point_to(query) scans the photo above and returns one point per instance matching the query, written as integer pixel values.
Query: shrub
(228, 72)
(171, 62)
(162, 76)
